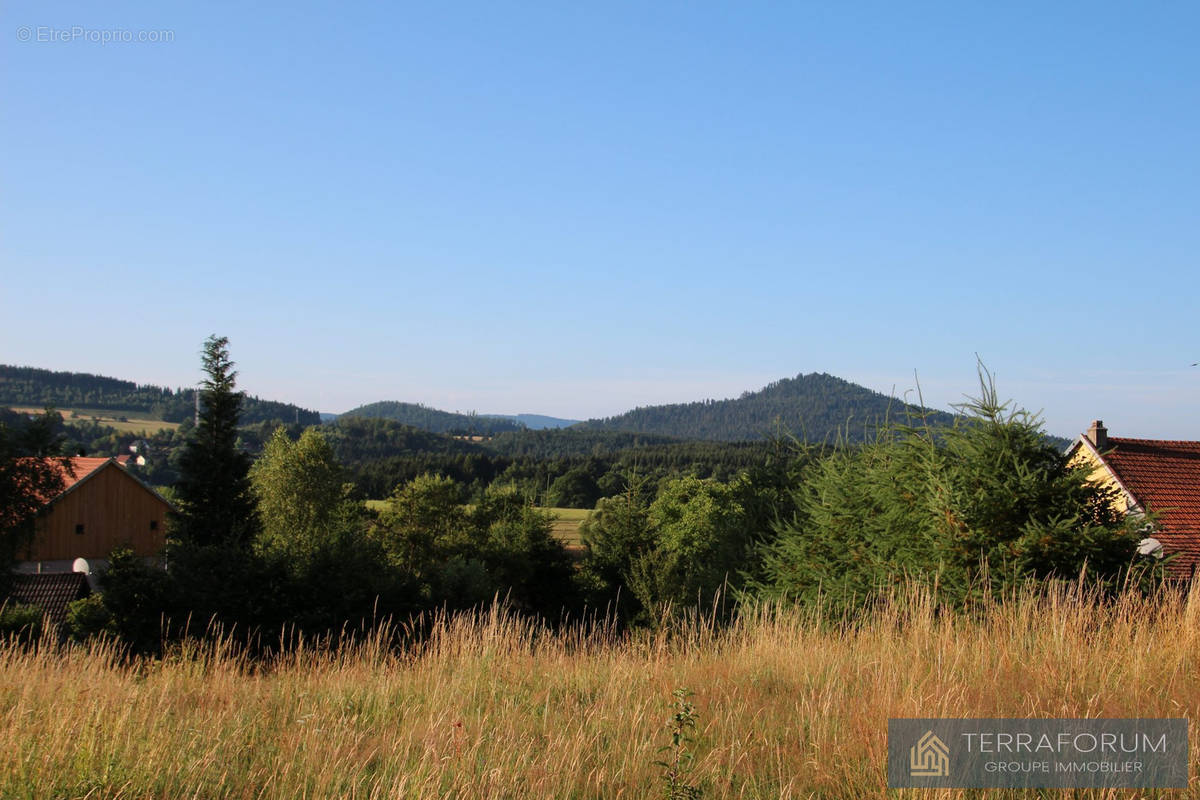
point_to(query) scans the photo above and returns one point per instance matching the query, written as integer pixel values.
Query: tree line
(569, 468)
(436, 421)
(971, 509)
(41, 388)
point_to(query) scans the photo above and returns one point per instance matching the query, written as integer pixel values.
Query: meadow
(566, 525)
(123, 421)
(787, 705)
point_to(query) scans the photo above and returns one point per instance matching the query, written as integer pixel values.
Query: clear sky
(577, 208)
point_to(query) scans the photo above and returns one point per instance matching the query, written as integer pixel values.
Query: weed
(680, 760)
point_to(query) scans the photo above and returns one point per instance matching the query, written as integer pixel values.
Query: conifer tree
(215, 502)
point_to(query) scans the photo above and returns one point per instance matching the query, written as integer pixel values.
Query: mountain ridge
(816, 407)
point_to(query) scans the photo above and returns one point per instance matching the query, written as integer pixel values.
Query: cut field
(566, 525)
(123, 421)
(787, 706)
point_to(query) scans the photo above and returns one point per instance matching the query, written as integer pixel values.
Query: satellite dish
(81, 565)
(1150, 547)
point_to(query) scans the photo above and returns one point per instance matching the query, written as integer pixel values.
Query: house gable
(1157, 476)
(1084, 454)
(103, 507)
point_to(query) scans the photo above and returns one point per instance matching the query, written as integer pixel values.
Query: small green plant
(679, 761)
(88, 617)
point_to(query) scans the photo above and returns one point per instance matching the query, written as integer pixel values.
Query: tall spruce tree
(215, 502)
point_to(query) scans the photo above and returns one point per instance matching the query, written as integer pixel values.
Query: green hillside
(431, 419)
(34, 387)
(815, 407)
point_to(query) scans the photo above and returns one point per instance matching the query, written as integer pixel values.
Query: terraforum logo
(929, 758)
(1038, 753)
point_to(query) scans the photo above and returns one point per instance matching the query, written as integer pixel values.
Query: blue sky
(575, 209)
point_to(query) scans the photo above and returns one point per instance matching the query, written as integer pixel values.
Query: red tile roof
(82, 468)
(1164, 476)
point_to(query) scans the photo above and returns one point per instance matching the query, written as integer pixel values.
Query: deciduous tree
(31, 472)
(303, 501)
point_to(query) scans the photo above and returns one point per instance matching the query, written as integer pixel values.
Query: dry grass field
(125, 422)
(492, 707)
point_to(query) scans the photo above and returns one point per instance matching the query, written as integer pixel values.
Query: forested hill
(815, 407)
(537, 422)
(33, 387)
(431, 419)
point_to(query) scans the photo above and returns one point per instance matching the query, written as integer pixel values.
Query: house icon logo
(929, 758)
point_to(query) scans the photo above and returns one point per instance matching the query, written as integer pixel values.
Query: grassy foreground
(492, 707)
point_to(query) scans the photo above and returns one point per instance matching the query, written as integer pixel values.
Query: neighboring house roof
(1164, 476)
(51, 592)
(1160, 476)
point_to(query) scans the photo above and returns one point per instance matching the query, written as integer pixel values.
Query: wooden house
(102, 506)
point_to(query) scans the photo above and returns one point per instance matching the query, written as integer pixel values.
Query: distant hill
(357, 439)
(34, 387)
(537, 422)
(433, 420)
(815, 407)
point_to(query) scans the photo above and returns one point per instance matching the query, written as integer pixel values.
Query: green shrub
(88, 617)
(23, 621)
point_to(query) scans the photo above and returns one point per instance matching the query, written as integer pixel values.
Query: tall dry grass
(490, 706)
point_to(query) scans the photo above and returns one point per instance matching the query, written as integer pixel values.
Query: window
(79, 529)
(153, 524)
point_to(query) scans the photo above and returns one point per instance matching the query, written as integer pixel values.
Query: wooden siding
(114, 510)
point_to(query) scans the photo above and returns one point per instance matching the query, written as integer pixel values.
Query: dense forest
(571, 467)
(431, 419)
(269, 530)
(568, 477)
(33, 387)
(815, 407)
